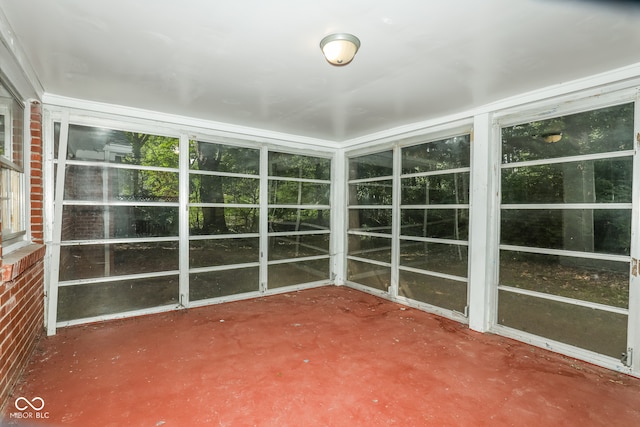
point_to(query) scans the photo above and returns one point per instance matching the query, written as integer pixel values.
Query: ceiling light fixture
(339, 48)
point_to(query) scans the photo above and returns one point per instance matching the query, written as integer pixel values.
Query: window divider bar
(436, 172)
(569, 159)
(566, 300)
(562, 252)
(556, 206)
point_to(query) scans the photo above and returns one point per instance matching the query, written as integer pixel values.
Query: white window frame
(562, 106)
(13, 239)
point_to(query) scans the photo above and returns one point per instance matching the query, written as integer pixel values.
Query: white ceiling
(257, 63)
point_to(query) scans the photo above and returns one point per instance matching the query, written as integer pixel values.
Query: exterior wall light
(339, 49)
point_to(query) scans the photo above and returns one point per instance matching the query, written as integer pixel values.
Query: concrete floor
(329, 356)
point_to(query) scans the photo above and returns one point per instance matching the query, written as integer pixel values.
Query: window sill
(18, 261)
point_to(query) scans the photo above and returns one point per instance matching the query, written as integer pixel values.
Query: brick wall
(22, 280)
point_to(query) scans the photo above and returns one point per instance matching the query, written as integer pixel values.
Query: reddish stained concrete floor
(330, 356)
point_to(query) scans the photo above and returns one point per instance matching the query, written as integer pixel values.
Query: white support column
(183, 215)
(264, 218)
(395, 223)
(338, 217)
(483, 238)
(52, 312)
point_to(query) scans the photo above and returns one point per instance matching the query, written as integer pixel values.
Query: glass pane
(298, 193)
(209, 253)
(223, 220)
(435, 223)
(82, 301)
(89, 261)
(296, 273)
(371, 193)
(438, 257)
(600, 331)
(11, 196)
(104, 184)
(445, 154)
(207, 156)
(584, 230)
(376, 248)
(223, 189)
(603, 282)
(598, 131)
(215, 284)
(373, 220)
(109, 222)
(4, 136)
(449, 294)
(371, 165)
(297, 166)
(285, 247)
(116, 146)
(281, 219)
(436, 189)
(371, 275)
(11, 127)
(600, 181)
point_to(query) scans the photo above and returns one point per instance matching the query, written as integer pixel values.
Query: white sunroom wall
(185, 134)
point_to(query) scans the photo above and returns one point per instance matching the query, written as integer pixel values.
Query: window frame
(14, 144)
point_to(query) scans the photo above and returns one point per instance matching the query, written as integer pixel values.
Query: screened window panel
(599, 281)
(445, 293)
(599, 131)
(371, 193)
(450, 153)
(585, 230)
(435, 223)
(214, 157)
(595, 181)
(299, 166)
(105, 184)
(217, 252)
(371, 220)
(370, 247)
(223, 220)
(371, 275)
(216, 284)
(98, 299)
(298, 193)
(110, 222)
(117, 259)
(371, 165)
(223, 189)
(116, 146)
(296, 246)
(437, 257)
(285, 219)
(296, 273)
(596, 330)
(443, 189)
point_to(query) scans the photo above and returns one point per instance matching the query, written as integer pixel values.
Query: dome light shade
(340, 48)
